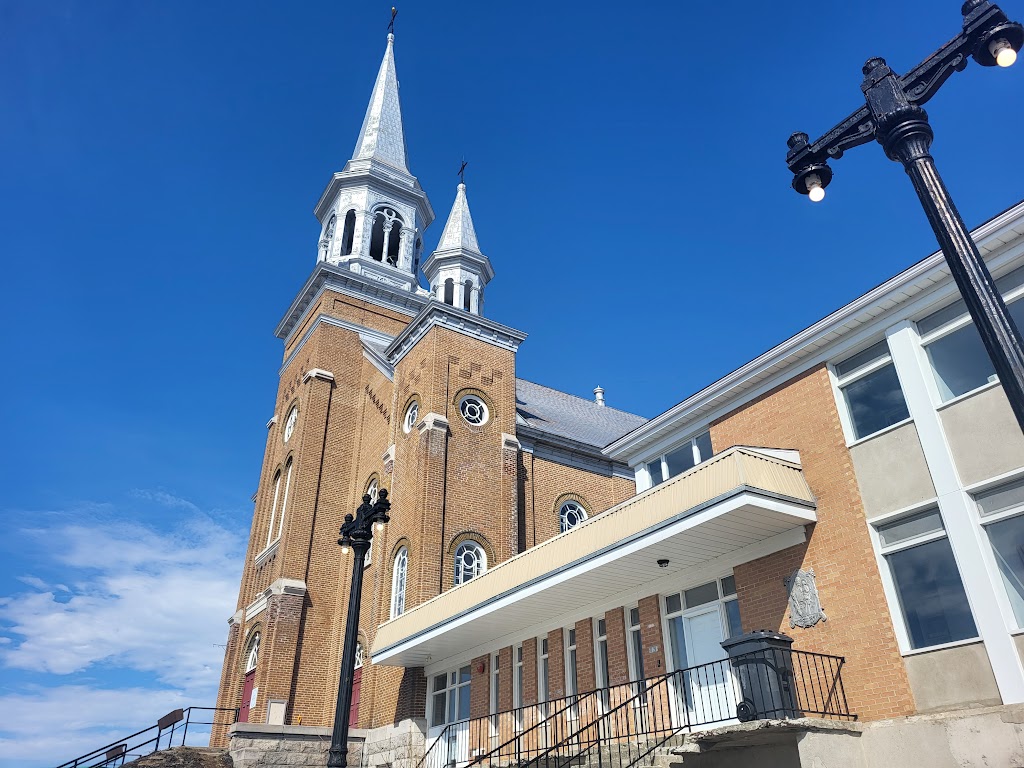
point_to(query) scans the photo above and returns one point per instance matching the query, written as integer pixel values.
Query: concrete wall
(983, 436)
(295, 746)
(883, 490)
(984, 738)
(952, 678)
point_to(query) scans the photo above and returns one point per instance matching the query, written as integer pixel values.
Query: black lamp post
(356, 537)
(894, 117)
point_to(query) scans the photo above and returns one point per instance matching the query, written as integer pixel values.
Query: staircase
(639, 724)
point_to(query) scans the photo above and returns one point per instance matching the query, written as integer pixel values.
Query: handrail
(638, 717)
(177, 721)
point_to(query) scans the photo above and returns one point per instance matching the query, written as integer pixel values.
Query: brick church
(546, 553)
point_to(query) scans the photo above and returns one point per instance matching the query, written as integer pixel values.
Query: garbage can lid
(758, 635)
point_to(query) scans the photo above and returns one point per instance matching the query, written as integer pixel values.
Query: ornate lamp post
(893, 116)
(356, 537)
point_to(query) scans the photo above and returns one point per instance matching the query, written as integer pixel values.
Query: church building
(859, 488)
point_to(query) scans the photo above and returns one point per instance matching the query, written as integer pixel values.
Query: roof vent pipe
(599, 396)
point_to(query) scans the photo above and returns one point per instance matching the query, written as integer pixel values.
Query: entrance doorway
(249, 690)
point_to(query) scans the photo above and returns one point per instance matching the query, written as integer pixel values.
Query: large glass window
(1002, 515)
(678, 460)
(871, 390)
(681, 605)
(601, 649)
(636, 646)
(958, 358)
(399, 574)
(926, 579)
(450, 697)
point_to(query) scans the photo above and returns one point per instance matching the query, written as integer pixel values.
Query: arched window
(254, 653)
(329, 232)
(347, 233)
(399, 573)
(470, 561)
(467, 289)
(449, 292)
(360, 654)
(273, 509)
(385, 236)
(570, 515)
(284, 499)
(371, 491)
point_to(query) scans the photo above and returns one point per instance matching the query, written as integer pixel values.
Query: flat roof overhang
(737, 500)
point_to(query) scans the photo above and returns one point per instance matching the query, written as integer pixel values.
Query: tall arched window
(570, 514)
(470, 561)
(273, 509)
(347, 233)
(360, 654)
(467, 290)
(329, 232)
(284, 501)
(449, 292)
(399, 573)
(385, 236)
(254, 653)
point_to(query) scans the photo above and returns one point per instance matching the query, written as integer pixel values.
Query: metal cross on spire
(462, 172)
(391, 24)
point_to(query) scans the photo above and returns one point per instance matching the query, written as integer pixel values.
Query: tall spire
(458, 271)
(458, 231)
(382, 136)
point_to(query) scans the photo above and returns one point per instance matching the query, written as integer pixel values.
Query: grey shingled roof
(576, 418)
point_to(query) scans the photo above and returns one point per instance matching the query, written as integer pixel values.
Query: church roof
(382, 136)
(569, 416)
(459, 232)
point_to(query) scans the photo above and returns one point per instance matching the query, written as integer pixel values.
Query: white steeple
(374, 211)
(457, 270)
(382, 136)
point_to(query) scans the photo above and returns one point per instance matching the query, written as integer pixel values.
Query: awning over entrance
(742, 502)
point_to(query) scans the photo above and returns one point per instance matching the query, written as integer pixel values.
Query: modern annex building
(859, 487)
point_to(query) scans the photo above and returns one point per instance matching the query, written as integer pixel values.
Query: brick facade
(802, 415)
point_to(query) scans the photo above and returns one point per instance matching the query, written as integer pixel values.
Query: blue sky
(160, 165)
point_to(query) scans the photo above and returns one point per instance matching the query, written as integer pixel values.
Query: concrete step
(185, 757)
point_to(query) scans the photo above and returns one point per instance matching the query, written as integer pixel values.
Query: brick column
(530, 671)
(480, 687)
(618, 658)
(586, 678)
(434, 454)
(278, 645)
(230, 689)
(650, 633)
(509, 544)
(556, 664)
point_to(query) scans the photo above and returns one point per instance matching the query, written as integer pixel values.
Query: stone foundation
(255, 745)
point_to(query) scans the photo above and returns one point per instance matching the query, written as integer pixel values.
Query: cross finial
(462, 172)
(391, 25)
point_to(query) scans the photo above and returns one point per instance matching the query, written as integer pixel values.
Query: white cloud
(165, 499)
(48, 726)
(139, 599)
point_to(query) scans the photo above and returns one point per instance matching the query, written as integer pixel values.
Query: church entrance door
(248, 694)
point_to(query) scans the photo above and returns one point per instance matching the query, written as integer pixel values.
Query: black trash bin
(762, 663)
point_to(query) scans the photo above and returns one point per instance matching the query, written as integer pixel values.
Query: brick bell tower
(383, 385)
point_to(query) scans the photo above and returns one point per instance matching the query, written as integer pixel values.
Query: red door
(353, 712)
(243, 710)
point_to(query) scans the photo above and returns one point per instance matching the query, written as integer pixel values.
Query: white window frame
(988, 553)
(399, 581)
(518, 681)
(889, 585)
(633, 652)
(685, 612)
(371, 489)
(453, 687)
(273, 508)
(601, 670)
(459, 576)
(951, 326)
(581, 518)
(838, 382)
(495, 724)
(543, 665)
(697, 458)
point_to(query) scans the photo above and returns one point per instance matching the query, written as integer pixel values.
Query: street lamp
(356, 537)
(894, 117)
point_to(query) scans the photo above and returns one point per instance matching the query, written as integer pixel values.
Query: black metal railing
(170, 730)
(622, 725)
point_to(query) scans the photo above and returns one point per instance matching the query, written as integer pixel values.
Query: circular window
(470, 561)
(473, 410)
(289, 424)
(412, 415)
(570, 515)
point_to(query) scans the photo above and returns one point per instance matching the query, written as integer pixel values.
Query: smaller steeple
(457, 270)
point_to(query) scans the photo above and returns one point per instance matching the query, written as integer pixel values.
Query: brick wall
(802, 415)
